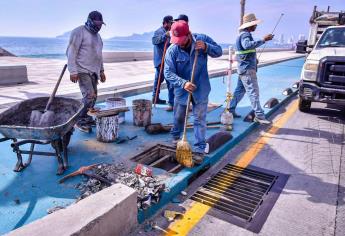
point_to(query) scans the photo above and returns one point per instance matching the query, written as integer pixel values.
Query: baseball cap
(179, 32)
(168, 19)
(96, 16)
(182, 17)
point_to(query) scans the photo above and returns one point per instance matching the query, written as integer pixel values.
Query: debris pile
(149, 187)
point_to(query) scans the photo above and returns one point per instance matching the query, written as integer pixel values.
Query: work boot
(159, 101)
(169, 108)
(235, 115)
(262, 121)
(83, 128)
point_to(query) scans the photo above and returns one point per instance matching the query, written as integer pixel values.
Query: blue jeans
(199, 113)
(248, 82)
(169, 86)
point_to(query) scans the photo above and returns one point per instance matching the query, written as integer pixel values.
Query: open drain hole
(241, 196)
(159, 156)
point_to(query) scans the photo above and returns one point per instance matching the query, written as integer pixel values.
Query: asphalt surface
(310, 149)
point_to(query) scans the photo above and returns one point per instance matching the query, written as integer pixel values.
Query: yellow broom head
(184, 154)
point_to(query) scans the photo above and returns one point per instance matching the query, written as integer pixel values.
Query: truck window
(334, 37)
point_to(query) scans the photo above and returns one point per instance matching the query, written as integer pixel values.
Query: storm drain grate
(241, 193)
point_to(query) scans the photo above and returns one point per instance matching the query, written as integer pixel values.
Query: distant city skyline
(217, 18)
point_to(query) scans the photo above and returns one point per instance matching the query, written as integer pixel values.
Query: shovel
(183, 149)
(46, 119)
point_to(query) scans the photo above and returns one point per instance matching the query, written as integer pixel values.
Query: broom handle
(56, 88)
(160, 72)
(189, 96)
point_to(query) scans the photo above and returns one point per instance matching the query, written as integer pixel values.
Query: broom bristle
(184, 154)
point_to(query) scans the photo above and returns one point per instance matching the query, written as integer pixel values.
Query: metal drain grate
(239, 193)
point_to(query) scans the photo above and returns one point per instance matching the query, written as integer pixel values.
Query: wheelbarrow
(15, 126)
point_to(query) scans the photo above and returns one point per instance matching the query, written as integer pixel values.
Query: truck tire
(304, 105)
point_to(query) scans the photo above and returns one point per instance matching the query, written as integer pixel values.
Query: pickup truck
(323, 73)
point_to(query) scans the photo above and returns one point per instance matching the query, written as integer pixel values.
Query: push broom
(184, 154)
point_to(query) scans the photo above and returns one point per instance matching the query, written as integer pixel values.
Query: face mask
(93, 28)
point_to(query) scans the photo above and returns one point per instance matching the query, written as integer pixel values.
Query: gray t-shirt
(84, 52)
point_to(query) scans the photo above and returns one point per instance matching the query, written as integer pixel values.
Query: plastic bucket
(142, 111)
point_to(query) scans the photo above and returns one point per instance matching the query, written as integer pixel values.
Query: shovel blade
(184, 154)
(47, 119)
(35, 118)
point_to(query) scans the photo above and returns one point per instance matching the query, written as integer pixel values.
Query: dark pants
(88, 87)
(170, 88)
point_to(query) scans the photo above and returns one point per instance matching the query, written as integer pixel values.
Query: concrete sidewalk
(121, 76)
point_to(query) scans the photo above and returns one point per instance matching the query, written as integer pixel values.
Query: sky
(216, 18)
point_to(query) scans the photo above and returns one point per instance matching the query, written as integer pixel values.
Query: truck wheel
(304, 105)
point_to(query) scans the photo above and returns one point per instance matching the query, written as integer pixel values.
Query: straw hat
(249, 20)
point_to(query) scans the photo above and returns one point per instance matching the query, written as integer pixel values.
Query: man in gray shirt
(85, 64)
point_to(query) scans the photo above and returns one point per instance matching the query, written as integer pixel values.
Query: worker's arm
(248, 43)
(170, 70)
(159, 36)
(212, 48)
(72, 51)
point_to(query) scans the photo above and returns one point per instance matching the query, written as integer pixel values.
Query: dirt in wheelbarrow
(149, 188)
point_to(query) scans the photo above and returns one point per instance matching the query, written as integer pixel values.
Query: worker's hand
(103, 78)
(74, 78)
(200, 45)
(268, 37)
(167, 34)
(189, 87)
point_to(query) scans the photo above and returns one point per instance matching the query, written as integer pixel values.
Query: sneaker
(83, 128)
(159, 101)
(169, 108)
(262, 121)
(235, 115)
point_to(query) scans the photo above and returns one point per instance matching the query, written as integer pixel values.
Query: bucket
(117, 102)
(142, 112)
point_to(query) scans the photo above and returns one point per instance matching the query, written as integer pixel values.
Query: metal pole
(243, 5)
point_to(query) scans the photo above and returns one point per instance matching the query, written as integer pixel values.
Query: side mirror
(310, 46)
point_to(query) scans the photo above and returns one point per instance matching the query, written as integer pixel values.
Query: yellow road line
(198, 210)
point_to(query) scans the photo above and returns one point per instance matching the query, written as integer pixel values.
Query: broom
(183, 150)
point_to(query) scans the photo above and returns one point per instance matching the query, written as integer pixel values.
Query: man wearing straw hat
(161, 42)
(247, 67)
(178, 70)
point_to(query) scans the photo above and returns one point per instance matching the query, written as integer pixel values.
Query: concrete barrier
(112, 211)
(13, 75)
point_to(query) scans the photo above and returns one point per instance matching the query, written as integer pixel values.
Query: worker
(247, 66)
(178, 69)
(85, 64)
(160, 37)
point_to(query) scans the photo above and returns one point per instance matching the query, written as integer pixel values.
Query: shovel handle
(56, 88)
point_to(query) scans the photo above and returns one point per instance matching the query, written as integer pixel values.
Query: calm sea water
(56, 47)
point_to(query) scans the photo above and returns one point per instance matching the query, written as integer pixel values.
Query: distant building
(281, 39)
(301, 37)
(291, 40)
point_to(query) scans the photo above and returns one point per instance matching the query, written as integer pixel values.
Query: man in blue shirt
(160, 37)
(247, 67)
(178, 69)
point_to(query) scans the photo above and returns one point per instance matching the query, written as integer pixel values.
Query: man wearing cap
(247, 67)
(85, 64)
(178, 69)
(182, 17)
(160, 37)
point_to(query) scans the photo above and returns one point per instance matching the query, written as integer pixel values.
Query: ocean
(55, 48)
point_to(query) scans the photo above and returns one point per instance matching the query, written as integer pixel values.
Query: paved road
(310, 149)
